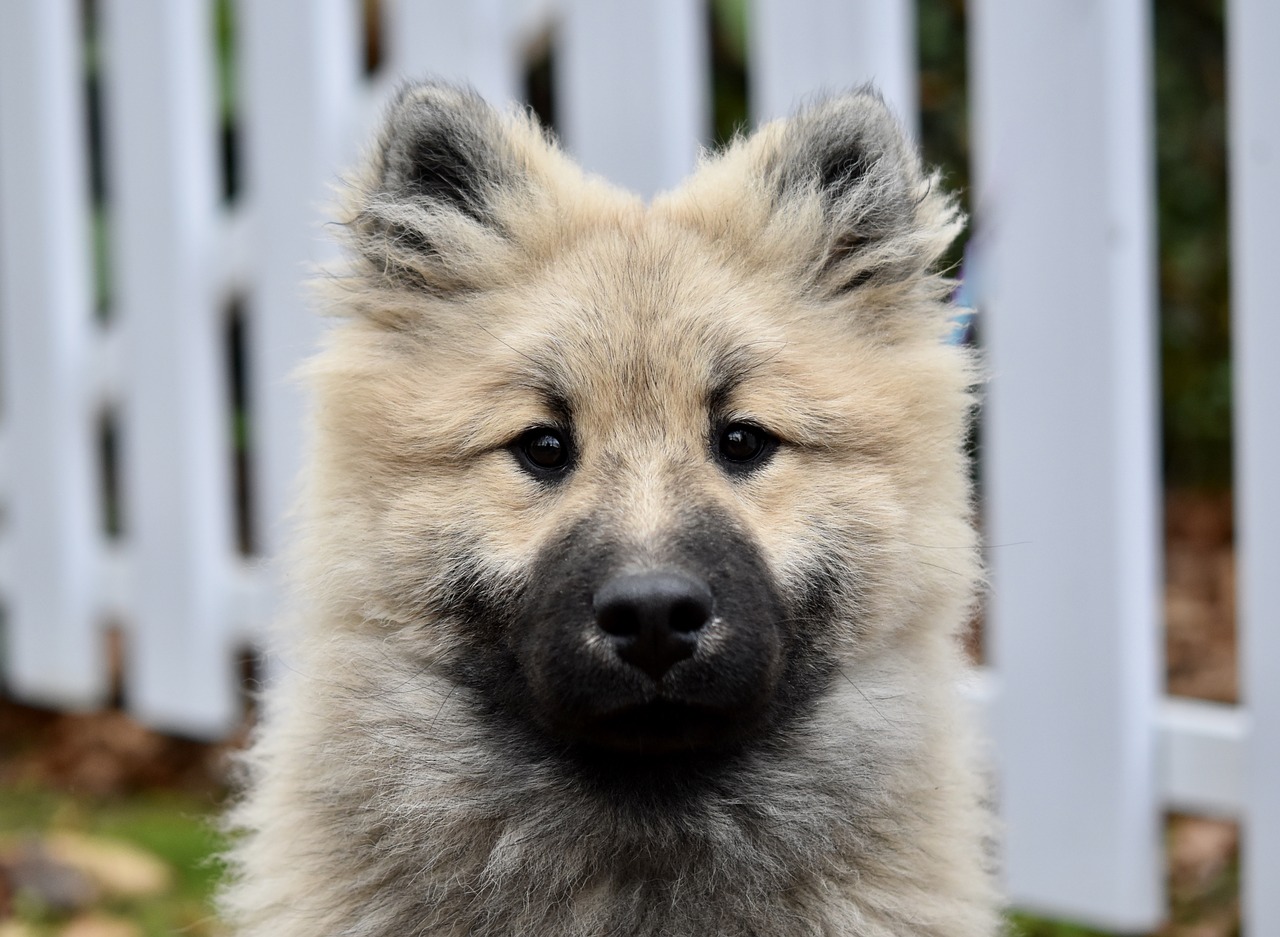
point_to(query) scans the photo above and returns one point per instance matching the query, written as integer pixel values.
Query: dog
(635, 543)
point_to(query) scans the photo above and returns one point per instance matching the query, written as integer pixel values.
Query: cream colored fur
(381, 801)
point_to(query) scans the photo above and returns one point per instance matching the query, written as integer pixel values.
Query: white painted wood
(1064, 189)
(1253, 88)
(1202, 749)
(300, 98)
(252, 598)
(5, 459)
(107, 367)
(531, 19)
(801, 49)
(54, 650)
(114, 587)
(1089, 752)
(1202, 757)
(632, 86)
(176, 431)
(471, 43)
(235, 263)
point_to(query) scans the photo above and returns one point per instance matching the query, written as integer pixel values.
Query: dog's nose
(653, 618)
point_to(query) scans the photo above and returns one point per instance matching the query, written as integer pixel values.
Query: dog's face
(642, 480)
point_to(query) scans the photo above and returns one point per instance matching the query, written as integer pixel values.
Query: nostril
(689, 615)
(618, 619)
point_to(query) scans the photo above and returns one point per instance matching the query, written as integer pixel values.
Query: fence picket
(54, 652)
(1065, 221)
(802, 49)
(473, 43)
(632, 89)
(1253, 35)
(161, 142)
(300, 98)
(1090, 752)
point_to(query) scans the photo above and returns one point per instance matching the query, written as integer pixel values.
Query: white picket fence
(1090, 751)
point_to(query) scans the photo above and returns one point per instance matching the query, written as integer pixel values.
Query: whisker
(868, 700)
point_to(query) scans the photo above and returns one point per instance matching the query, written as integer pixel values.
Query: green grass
(175, 828)
(1025, 926)
(179, 830)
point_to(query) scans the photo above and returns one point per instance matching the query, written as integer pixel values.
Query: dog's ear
(880, 216)
(837, 194)
(445, 149)
(447, 192)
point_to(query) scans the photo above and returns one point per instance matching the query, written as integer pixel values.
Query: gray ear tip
(439, 145)
(434, 96)
(867, 95)
(851, 154)
(861, 106)
(431, 87)
(840, 141)
(441, 181)
(859, 118)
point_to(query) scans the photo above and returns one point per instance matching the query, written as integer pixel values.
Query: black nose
(653, 618)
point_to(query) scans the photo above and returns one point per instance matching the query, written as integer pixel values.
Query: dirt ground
(108, 755)
(1200, 660)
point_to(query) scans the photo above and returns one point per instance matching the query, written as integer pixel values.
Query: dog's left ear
(836, 194)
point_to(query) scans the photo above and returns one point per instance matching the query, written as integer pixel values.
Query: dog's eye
(744, 446)
(543, 450)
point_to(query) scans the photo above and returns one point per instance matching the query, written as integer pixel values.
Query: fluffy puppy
(635, 544)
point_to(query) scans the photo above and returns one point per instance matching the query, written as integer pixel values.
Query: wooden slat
(632, 89)
(1090, 753)
(1202, 748)
(300, 97)
(1064, 171)
(471, 43)
(54, 652)
(1253, 89)
(174, 416)
(802, 49)
(1202, 757)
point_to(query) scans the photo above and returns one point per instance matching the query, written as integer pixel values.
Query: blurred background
(164, 168)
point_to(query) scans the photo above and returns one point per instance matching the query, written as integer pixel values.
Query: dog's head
(642, 478)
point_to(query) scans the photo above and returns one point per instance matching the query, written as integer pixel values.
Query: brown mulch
(1200, 662)
(102, 754)
(1200, 596)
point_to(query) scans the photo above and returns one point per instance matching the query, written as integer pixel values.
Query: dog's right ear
(445, 149)
(447, 192)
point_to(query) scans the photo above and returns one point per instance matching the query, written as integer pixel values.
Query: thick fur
(406, 779)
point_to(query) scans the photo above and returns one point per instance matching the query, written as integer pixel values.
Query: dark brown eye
(744, 446)
(543, 450)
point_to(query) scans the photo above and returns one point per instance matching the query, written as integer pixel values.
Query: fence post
(832, 45)
(632, 89)
(299, 85)
(1065, 217)
(54, 652)
(162, 146)
(1253, 35)
(473, 43)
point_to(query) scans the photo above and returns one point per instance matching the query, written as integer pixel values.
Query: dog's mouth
(660, 727)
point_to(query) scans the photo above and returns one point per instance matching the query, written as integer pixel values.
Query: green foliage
(1192, 190)
(944, 100)
(224, 39)
(730, 110)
